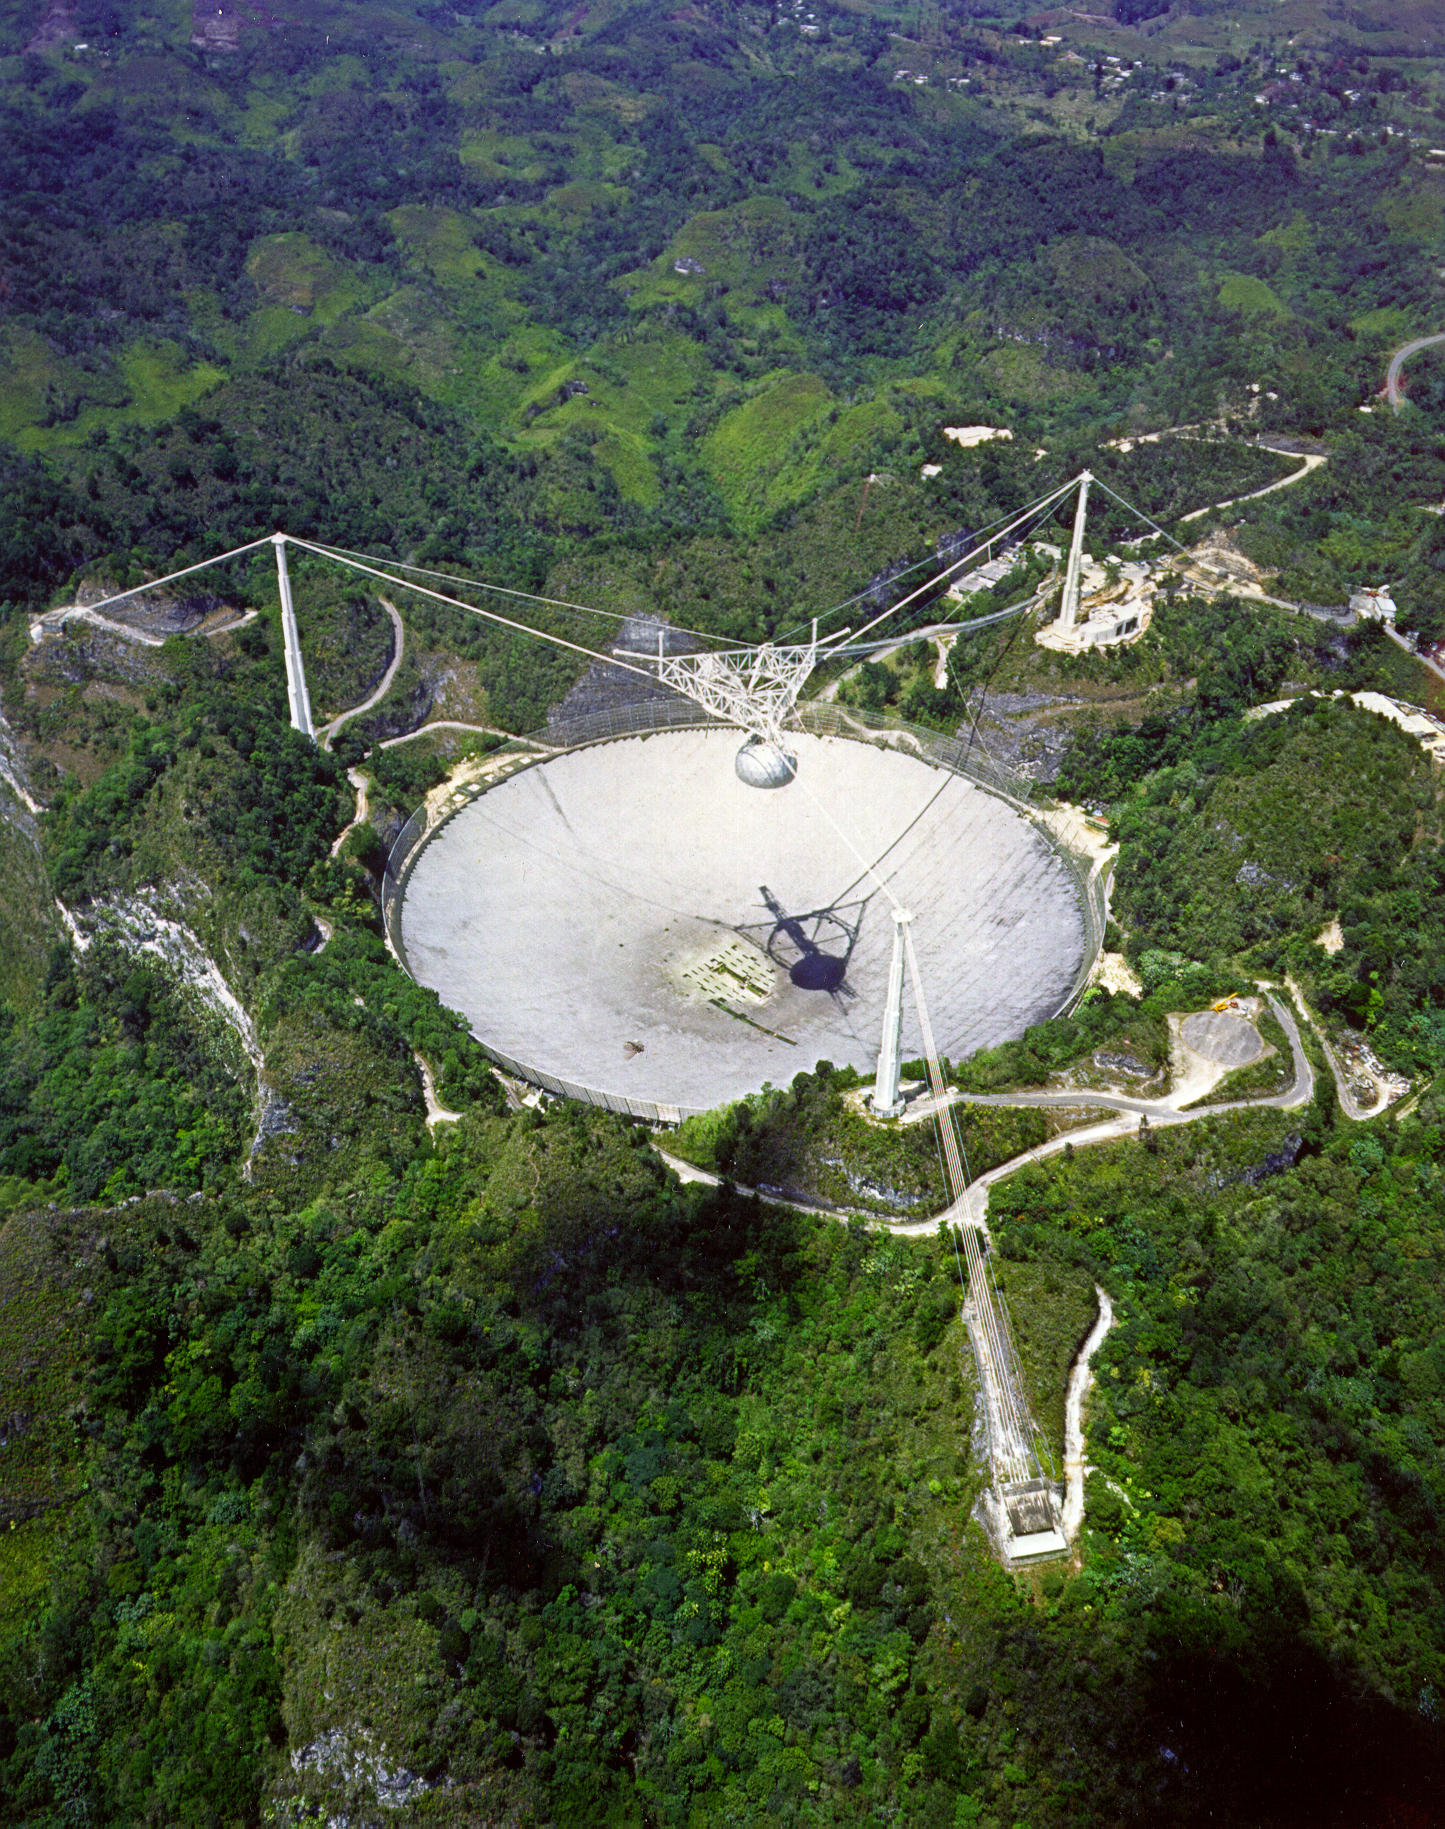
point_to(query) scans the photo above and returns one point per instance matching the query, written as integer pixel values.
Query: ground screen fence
(655, 716)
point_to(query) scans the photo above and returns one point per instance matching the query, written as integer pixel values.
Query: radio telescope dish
(633, 923)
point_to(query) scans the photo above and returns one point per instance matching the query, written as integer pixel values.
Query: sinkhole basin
(634, 924)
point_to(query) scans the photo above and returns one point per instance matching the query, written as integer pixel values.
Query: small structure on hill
(1374, 605)
(1427, 730)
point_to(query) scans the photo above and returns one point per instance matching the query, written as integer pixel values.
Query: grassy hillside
(671, 296)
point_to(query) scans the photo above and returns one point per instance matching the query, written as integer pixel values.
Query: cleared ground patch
(49, 400)
(1243, 292)
(441, 239)
(756, 441)
(1220, 1036)
(293, 272)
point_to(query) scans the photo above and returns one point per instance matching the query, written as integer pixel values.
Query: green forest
(382, 1444)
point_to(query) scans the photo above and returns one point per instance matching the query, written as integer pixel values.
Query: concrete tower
(1069, 607)
(296, 694)
(887, 1100)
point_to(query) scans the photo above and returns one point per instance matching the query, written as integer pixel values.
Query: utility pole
(296, 694)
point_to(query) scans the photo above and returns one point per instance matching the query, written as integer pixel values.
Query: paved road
(1348, 1103)
(1424, 659)
(436, 1112)
(1401, 356)
(489, 730)
(1307, 464)
(51, 622)
(1158, 1111)
(972, 1208)
(328, 731)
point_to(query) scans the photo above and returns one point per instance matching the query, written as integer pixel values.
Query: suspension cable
(1016, 1452)
(981, 544)
(505, 622)
(1034, 509)
(1141, 514)
(502, 590)
(186, 571)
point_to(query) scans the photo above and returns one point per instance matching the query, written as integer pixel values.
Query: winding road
(52, 622)
(436, 1112)
(1401, 356)
(422, 730)
(1307, 465)
(972, 1207)
(1415, 654)
(328, 731)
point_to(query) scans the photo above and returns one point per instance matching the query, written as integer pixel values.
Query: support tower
(296, 694)
(887, 1099)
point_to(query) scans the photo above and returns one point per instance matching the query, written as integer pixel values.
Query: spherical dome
(760, 765)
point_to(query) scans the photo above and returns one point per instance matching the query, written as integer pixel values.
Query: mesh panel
(819, 719)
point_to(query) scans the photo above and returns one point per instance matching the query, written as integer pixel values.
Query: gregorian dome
(761, 764)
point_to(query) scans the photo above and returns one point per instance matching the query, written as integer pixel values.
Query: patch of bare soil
(455, 687)
(1330, 937)
(1217, 555)
(102, 692)
(215, 27)
(1029, 731)
(57, 27)
(1194, 1075)
(1114, 972)
(66, 759)
(1107, 1071)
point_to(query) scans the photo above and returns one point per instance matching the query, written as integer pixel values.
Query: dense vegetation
(355, 1467)
(1268, 1439)
(111, 1084)
(1249, 837)
(575, 1487)
(451, 297)
(807, 1142)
